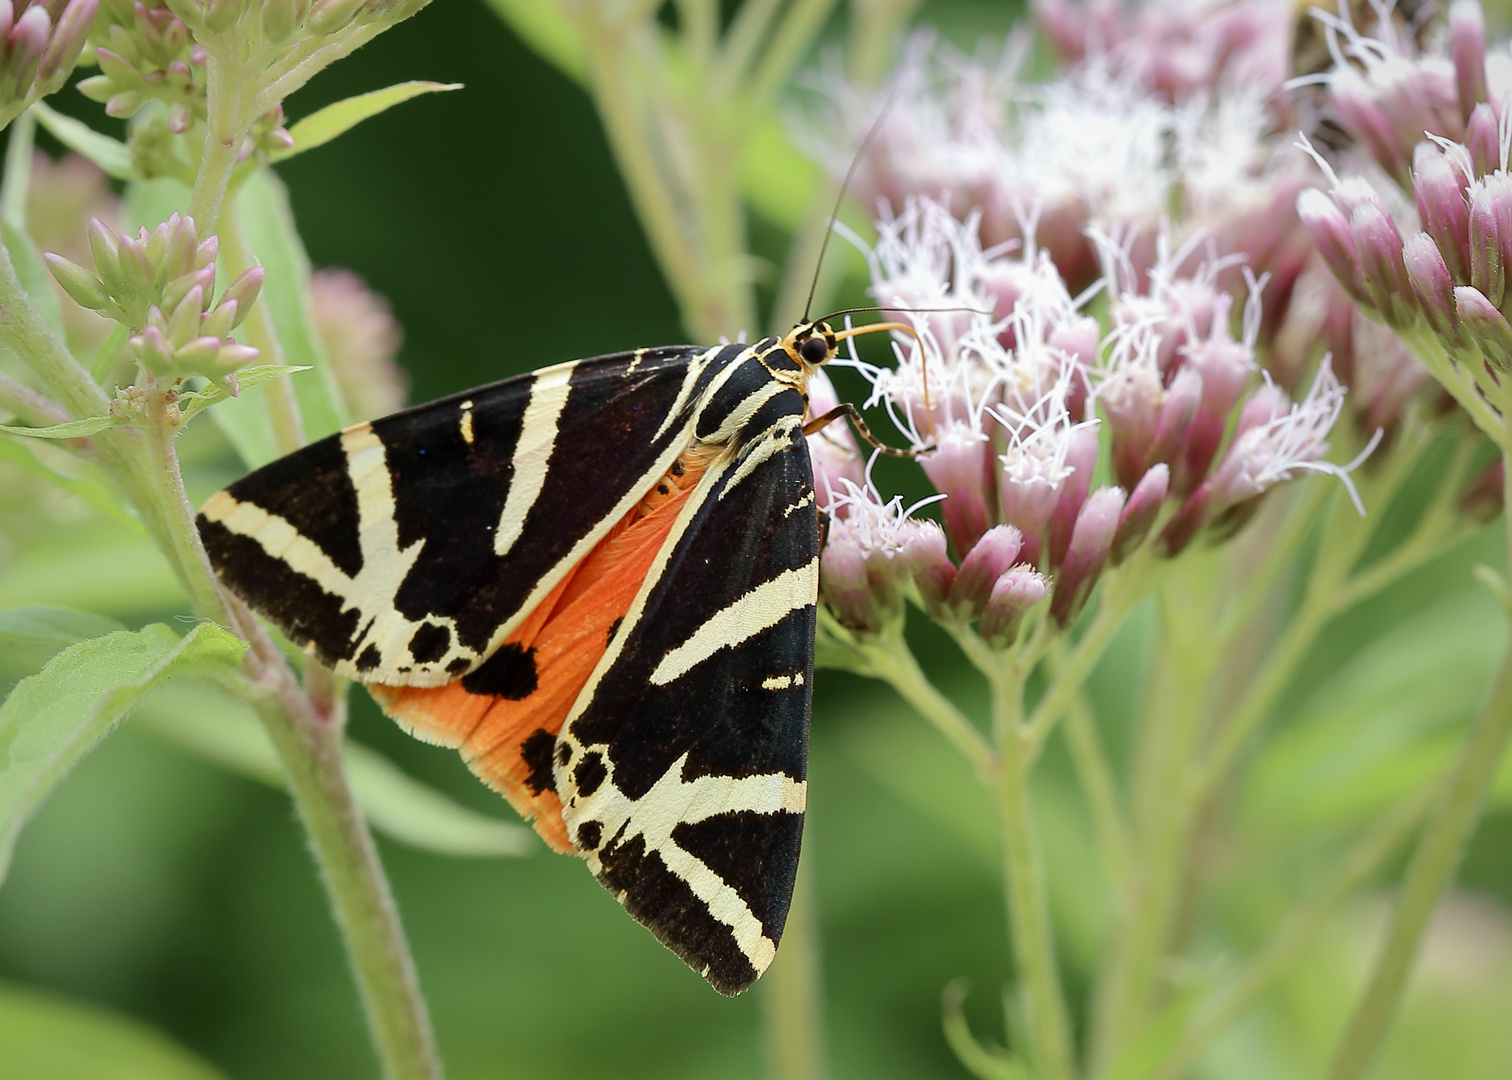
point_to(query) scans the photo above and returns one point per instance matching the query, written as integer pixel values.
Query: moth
(598, 582)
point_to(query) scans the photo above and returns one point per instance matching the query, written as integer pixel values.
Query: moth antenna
(850, 173)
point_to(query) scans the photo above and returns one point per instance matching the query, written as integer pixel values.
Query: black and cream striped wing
(403, 551)
(682, 767)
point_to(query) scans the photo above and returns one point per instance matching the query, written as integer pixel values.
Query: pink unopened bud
(1432, 282)
(1267, 403)
(994, 553)
(1082, 457)
(1078, 338)
(1467, 49)
(1483, 140)
(1330, 232)
(1140, 512)
(1379, 245)
(925, 559)
(1018, 590)
(1486, 325)
(962, 467)
(1225, 366)
(1439, 190)
(1091, 543)
(844, 585)
(1189, 517)
(1491, 235)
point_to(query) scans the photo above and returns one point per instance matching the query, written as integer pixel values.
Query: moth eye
(813, 350)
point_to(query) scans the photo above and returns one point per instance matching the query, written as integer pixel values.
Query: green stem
(1029, 917)
(18, 162)
(309, 745)
(225, 127)
(792, 991)
(1094, 772)
(891, 661)
(1356, 867)
(1437, 857)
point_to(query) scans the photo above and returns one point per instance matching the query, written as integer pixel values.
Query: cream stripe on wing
(280, 540)
(538, 432)
(758, 609)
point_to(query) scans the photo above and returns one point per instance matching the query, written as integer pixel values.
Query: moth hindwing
(598, 582)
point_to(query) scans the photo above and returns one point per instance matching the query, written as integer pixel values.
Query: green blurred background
(155, 885)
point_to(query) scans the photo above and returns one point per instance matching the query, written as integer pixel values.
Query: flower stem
(225, 127)
(894, 664)
(1354, 868)
(309, 746)
(1436, 859)
(792, 993)
(1029, 917)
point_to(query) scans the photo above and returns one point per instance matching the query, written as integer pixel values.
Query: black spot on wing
(369, 659)
(755, 854)
(429, 643)
(590, 834)
(510, 673)
(589, 774)
(312, 490)
(664, 903)
(302, 609)
(536, 753)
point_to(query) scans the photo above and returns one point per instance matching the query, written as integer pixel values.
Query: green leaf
(549, 31)
(199, 400)
(35, 278)
(1370, 734)
(46, 1037)
(74, 429)
(113, 158)
(94, 492)
(54, 718)
(227, 734)
(31, 636)
(262, 206)
(322, 126)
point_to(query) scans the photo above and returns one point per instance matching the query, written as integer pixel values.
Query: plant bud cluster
(40, 42)
(160, 284)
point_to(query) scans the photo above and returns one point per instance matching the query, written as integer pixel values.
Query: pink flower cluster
(1003, 400)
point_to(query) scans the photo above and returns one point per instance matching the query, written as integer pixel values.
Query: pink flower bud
(1380, 252)
(993, 554)
(1490, 235)
(961, 466)
(1268, 402)
(1439, 190)
(1091, 542)
(832, 449)
(1432, 283)
(1225, 366)
(1140, 512)
(1184, 524)
(1082, 457)
(1018, 590)
(1487, 326)
(1483, 140)
(1330, 231)
(925, 560)
(843, 582)
(1467, 49)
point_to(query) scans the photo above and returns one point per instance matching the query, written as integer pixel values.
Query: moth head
(811, 344)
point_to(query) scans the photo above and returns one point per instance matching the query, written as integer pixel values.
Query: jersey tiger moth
(598, 582)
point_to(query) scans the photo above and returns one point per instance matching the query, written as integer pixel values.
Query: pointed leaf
(74, 429)
(34, 276)
(31, 636)
(322, 126)
(268, 224)
(199, 400)
(47, 1037)
(112, 156)
(54, 718)
(226, 733)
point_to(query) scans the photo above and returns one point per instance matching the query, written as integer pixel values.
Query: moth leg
(853, 414)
